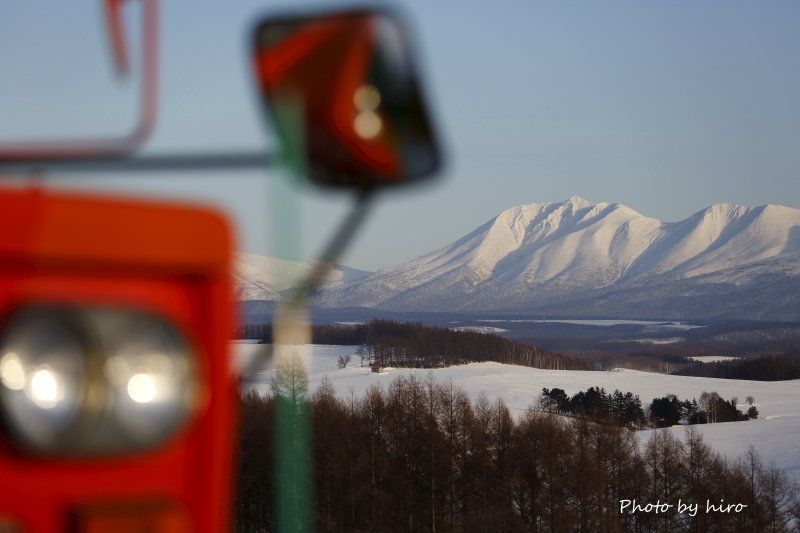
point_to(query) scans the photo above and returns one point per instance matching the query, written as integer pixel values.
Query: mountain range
(579, 259)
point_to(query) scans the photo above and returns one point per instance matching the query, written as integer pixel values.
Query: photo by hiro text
(690, 509)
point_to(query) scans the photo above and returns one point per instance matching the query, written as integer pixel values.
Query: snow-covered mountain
(581, 259)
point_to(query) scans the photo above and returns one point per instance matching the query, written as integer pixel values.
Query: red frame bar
(112, 147)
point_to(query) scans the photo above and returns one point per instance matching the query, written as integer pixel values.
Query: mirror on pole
(344, 97)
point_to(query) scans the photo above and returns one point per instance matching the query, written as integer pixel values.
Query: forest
(763, 368)
(405, 344)
(421, 456)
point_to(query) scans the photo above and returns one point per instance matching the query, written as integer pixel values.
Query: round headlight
(84, 381)
(45, 373)
(150, 375)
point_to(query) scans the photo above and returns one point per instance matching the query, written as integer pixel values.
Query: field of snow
(479, 329)
(775, 435)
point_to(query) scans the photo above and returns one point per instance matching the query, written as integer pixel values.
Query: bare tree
(290, 379)
(362, 354)
(455, 416)
(343, 361)
(666, 474)
(331, 429)
(709, 403)
(293, 480)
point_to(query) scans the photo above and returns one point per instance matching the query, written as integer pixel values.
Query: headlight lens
(78, 381)
(43, 365)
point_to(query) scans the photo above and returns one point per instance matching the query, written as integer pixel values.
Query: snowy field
(775, 435)
(479, 329)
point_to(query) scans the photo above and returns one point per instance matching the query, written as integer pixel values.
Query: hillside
(774, 434)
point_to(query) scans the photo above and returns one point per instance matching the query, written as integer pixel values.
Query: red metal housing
(171, 260)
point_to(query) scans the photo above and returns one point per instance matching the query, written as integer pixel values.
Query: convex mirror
(342, 92)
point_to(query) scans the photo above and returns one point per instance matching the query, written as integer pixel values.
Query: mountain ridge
(539, 257)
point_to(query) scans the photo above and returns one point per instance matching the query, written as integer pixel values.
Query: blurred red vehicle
(116, 397)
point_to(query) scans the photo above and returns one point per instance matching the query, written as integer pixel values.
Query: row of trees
(618, 408)
(655, 359)
(406, 344)
(389, 343)
(625, 409)
(764, 368)
(261, 331)
(711, 409)
(421, 456)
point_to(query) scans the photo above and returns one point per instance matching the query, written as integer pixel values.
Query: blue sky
(666, 107)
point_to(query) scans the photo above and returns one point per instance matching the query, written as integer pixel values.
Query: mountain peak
(576, 202)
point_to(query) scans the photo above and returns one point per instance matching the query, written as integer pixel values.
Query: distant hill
(268, 278)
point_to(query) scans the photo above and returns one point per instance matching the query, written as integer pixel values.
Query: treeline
(781, 358)
(404, 344)
(625, 409)
(622, 409)
(261, 331)
(414, 345)
(711, 409)
(657, 362)
(764, 368)
(607, 355)
(422, 457)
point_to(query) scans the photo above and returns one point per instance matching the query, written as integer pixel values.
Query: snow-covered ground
(775, 435)
(479, 329)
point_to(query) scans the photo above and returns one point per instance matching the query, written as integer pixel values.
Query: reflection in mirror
(344, 98)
